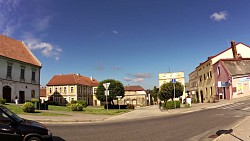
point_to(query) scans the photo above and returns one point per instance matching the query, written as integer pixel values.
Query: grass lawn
(17, 109)
(90, 110)
(55, 110)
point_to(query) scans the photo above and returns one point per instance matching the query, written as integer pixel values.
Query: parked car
(14, 128)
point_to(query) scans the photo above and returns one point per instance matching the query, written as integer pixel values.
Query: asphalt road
(201, 125)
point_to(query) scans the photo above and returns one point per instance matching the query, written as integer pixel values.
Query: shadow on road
(56, 138)
(230, 131)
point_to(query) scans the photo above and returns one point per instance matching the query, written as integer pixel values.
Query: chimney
(91, 78)
(234, 49)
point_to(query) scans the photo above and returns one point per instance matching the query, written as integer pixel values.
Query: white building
(19, 71)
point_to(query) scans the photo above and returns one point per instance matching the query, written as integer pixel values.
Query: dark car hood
(33, 123)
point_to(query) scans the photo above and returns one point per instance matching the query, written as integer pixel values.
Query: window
(50, 91)
(204, 76)
(211, 90)
(65, 90)
(9, 70)
(72, 89)
(60, 89)
(218, 70)
(32, 93)
(200, 78)
(33, 77)
(22, 73)
(210, 74)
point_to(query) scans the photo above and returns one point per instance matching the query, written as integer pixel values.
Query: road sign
(106, 85)
(107, 93)
(173, 80)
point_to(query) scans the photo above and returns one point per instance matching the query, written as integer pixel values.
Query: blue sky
(127, 40)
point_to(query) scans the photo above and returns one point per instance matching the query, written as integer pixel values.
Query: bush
(83, 103)
(34, 100)
(28, 107)
(130, 106)
(76, 107)
(73, 102)
(170, 104)
(2, 101)
(187, 105)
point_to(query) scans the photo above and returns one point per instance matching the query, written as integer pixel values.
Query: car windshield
(12, 115)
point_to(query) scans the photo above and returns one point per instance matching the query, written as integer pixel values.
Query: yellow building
(167, 77)
(67, 87)
(206, 81)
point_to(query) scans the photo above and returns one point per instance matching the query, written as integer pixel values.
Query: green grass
(55, 110)
(17, 109)
(90, 110)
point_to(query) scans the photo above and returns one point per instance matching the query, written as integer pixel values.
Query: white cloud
(9, 19)
(218, 16)
(115, 32)
(42, 23)
(138, 77)
(47, 49)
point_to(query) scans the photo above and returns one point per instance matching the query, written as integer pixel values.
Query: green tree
(154, 93)
(116, 88)
(167, 91)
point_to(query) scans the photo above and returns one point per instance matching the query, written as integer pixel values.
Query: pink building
(232, 78)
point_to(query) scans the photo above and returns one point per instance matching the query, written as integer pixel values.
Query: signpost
(174, 81)
(106, 86)
(119, 98)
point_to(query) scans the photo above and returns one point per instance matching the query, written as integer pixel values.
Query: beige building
(193, 84)
(206, 81)
(167, 77)
(19, 71)
(135, 95)
(67, 87)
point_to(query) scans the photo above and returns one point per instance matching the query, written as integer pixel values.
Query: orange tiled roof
(42, 92)
(17, 50)
(133, 88)
(72, 79)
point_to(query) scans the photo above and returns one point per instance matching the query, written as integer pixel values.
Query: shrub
(2, 101)
(28, 107)
(130, 106)
(83, 103)
(76, 107)
(34, 100)
(187, 105)
(170, 104)
(73, 102)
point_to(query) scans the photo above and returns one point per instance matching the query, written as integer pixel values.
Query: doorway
(201, 92)
(7, 93)
(21, 97)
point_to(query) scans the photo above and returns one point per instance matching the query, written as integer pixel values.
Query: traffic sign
(173, 80)
(106, 85)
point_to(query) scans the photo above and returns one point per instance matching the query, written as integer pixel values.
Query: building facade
(64, 88)
(193, 85)
(19, 71)
(232, 78)
(178, 76)
(206, 80)
(135, 95)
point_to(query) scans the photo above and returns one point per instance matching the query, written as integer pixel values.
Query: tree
(116, 88)
(155, 93)
(167, 91)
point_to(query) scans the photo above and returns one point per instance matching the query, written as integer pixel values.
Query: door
(7, 132)
(201, 96)
(21, 97)
(7, 93)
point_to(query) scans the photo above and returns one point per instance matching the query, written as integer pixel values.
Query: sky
(127, 40)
